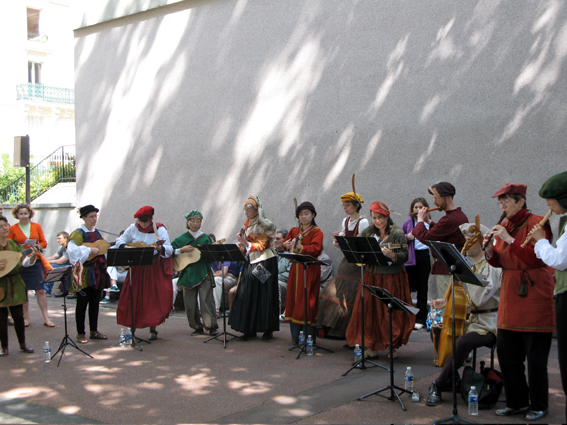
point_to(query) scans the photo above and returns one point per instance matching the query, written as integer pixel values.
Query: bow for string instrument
(502, 217)
(541, 223)
(442, 335)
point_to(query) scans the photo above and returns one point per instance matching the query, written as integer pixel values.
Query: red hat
(144, 211)
(509, 188)
(380, 208)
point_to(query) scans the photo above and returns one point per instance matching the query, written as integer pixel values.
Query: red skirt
(376, 322)
(152, 292)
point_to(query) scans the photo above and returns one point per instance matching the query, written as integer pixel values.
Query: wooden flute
(502, 217)
(541, 223)
(434, 209)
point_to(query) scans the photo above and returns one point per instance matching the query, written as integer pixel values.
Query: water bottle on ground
(122, 338)
(47, 352)
(301, 338)
(473, 402)
(357, 353)
(128, 342)
(309, 349)
(409, 380)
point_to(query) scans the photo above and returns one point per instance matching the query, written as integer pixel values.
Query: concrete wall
(200, 103)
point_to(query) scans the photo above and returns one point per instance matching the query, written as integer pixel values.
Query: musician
(196, 279)
(255, 306)
(526, 319)
(554, 191)
(152, 289)
(394, 279)
(481, 325)
(339, 296)
(89, 277)
(307, 239)
(445, 230)
(13, 292)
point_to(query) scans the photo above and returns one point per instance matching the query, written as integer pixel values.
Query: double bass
(442, 335)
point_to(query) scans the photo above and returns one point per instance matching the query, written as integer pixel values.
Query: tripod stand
(222, 253)
(458, 268)
(393, 304)
(362, 251)
(130, 257)
(59, 275)
(305, 260)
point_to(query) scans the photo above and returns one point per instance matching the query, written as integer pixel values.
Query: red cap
(509, 188)
(380, 208)
(144, 211)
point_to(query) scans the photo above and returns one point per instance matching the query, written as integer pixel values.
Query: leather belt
(490, 310)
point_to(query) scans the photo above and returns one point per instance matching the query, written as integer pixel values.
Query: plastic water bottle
(357, 353)
(309, 349)
(47, 352)
(473, 402)
(409, 380)
(128, 342)
(122, 338)
(301, 338)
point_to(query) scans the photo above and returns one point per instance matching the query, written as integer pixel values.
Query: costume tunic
(533, 313)
(32, 276)
(256, 305)
(393, 278)
(152, 287)
(12, 283)
(338, 297)
(312, 244)
(194, 274)
(445, 230)
(93, 273)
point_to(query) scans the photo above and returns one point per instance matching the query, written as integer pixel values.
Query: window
(34, 72)
(33, 23)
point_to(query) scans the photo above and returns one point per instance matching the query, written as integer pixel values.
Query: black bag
(489, 381)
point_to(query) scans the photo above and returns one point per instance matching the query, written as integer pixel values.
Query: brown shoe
(98, 335)
(26, 349)
(82, 339)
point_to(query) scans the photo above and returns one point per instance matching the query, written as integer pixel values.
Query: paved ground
(178, 379)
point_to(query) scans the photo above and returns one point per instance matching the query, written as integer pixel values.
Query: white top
(133, 235)
(553, 257)
(352, 224)
(78, 253)
(485, 298)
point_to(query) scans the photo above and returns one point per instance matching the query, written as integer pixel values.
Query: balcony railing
(59, 167)
(37, 36)
(31, 91)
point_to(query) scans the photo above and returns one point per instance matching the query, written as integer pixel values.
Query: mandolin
(10, 259)
(103, 246)
(182, 260)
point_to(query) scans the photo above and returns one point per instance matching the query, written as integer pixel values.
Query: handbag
(261, 273)
(488, 380)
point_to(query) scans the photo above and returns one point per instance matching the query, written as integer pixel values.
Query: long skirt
(33, 276)
(152, 291)
(376, 322)
(337, 299)
(256, 305)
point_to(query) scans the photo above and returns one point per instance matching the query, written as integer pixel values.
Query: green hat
(555, 187)
(193, 214)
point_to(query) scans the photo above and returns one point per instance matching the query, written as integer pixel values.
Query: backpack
(488, 380)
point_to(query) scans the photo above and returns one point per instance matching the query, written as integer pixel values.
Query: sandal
(49, 324)
(98, 335)
(26, 323)
(81, 339)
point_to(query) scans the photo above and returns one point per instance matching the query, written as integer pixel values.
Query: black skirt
(33, 276)
(255, 307)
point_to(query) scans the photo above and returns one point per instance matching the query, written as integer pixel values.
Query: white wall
(202, 103)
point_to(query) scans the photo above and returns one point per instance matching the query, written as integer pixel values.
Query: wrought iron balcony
(37, 36)
(46, 93)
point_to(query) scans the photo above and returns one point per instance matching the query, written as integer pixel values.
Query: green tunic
(397, 236)
(195, 273)
(12, 283)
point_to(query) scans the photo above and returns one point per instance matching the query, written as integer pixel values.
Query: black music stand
(222, 253)
(359, 250)
(305, 260)
(393, 303)
(59, 274)
(458, 267)
(130, 257)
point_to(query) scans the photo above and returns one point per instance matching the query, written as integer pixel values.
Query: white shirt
(352, 224)
(78, 253)
(553, 257)
(133, 235)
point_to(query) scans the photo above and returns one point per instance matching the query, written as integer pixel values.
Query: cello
(442, 335)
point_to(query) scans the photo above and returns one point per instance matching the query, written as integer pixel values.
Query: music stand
(305, 260)
(364, 251)
(130, 257)
(59, 274)
(222, 253)
(458, 267)
(393, 303)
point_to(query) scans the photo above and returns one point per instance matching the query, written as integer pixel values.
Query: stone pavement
(178, 379)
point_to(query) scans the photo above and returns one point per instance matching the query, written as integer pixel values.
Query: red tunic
(295, 304)
(535, 312)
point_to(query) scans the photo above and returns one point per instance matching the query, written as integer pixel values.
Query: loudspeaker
(21, 151)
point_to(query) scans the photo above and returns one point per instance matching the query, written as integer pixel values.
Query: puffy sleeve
(75, 249)
(262, 240)
(125, 237)
(480, 295)
(553, 257)
(363, 224)
(168, 249)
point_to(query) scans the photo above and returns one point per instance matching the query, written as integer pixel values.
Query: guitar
(103, 246)
(182, 260)
(10, 259)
